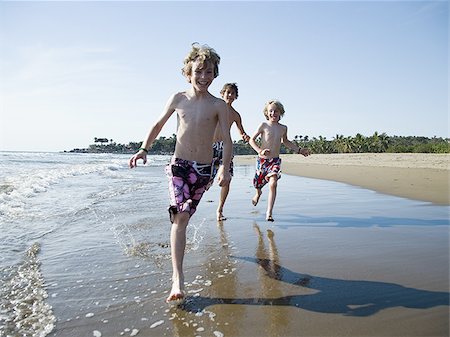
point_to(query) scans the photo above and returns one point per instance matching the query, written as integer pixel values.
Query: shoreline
(416, 176)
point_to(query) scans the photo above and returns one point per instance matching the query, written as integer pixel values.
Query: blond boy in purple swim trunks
(268, 164)
(189, 172)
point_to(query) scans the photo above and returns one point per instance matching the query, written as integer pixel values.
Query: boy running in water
(229, 94)
(268, 163)
(190, 170)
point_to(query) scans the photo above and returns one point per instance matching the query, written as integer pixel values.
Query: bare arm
(153, 133)
(254, 145)
(224, 127)
(293, 146)
(238, 122)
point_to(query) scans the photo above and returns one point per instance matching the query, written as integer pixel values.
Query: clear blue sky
(72, 71)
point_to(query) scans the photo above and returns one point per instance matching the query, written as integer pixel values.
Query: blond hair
(201, 53)
(279, 106)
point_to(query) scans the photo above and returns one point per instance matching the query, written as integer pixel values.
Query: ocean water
(84, 241)
(56, 209)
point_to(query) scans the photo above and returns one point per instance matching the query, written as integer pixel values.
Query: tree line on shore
(376, 143)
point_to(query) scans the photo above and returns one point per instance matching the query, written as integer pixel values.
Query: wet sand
(416, 176)
(339, 260)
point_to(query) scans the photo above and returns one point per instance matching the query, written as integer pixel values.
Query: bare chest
(197, 119)
(272, 134)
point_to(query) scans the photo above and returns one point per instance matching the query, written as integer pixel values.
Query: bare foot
(220, 216)
(176, 295)
(175, 299)
(255, 198)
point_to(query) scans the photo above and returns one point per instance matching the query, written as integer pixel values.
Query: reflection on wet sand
(358, 298)
(269, 262)
(222, 273)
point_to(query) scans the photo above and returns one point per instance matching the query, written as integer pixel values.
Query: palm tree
(339, 143)
(359, 143)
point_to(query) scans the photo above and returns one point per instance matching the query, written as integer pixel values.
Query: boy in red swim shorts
(268, 163)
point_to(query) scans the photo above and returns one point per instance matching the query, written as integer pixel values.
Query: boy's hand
(139, 155)
(304, 152)
(264, 152)
(245, 137)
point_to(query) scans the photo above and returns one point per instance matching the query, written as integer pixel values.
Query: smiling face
(229, 95)
(273, 111)
(202, 75)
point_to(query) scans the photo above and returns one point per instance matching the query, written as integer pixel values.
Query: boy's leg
(273, 182)
(181, 174)
(219, 212)
(177, 247)
(255, 198)
(223, 197)
(259, 180)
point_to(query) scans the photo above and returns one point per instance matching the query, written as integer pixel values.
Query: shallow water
(85, 252)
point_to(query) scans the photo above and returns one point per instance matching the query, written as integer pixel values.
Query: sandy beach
(417, 176)
(340, 259)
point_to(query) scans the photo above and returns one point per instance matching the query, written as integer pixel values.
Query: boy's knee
(273, 181)
(181, 219)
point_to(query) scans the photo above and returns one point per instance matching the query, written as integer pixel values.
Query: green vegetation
(377, 143)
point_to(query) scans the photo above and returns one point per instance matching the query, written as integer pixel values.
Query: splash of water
(145, 241)
(23, 307)
(195, 234)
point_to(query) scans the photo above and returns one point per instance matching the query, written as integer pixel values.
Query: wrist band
(143, 149)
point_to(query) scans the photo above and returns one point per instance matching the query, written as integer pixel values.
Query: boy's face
(202, 75)
(273, 113)
(229, 95)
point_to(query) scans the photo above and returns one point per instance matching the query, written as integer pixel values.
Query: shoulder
(282, 128)
(178, 96)
(219, 104)
(218, 101)
(236, 116)
(264, 126)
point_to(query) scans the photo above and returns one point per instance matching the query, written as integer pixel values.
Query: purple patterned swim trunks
(188, 180)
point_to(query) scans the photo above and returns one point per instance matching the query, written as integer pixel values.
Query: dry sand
(416, 176)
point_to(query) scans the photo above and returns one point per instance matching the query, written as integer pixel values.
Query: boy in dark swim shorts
(217, 159)
(268, 164)
(229, 94)
(198, 114)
